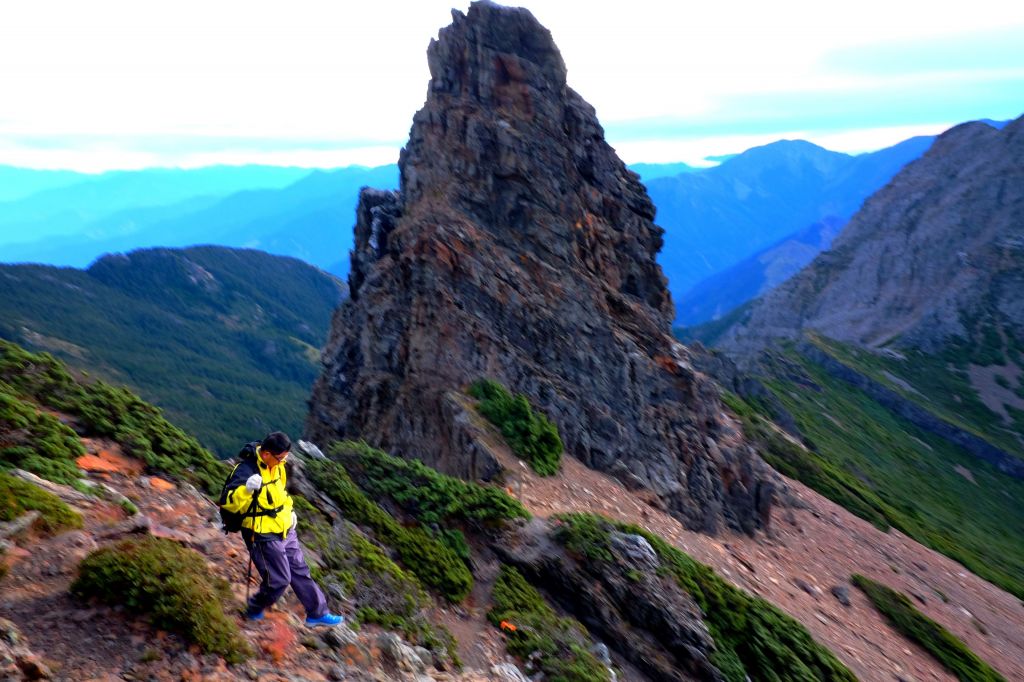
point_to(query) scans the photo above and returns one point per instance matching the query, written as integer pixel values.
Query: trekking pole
(253, 509)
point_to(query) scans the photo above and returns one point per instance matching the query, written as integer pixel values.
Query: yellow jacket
(273, 514)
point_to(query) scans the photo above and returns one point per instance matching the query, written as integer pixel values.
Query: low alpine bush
(937, 640)
(422, 492)
(428, 559)
(18, 496)
(753, 639)
(170, 585)
(529, 434)
(531, 625)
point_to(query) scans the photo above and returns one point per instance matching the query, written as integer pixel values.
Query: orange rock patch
(160, 484)
(108, 462)
(277, 640)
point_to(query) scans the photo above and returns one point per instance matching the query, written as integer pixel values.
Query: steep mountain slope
(934, 257)
(520, 248)
(225, 340)
(391, 541)
(307, 219)
(721, 293)
(717, 217)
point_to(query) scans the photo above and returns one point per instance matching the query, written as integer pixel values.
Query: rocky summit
(520, 248)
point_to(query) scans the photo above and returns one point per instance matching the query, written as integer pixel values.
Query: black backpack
(231, 522)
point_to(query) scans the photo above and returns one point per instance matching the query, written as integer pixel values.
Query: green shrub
(170, 585)
(530, 434)
(100, 410)
(36, 441)
(752, 638)
(388, 595)
(431, 561)
(422, 492)
(562, 642)
(18, 496)
(938, 641)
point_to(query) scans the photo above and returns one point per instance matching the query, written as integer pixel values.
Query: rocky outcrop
(649, 620)
(936, 255)
(519, 247)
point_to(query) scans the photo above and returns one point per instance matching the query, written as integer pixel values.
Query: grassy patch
(170, 585)
(106, 411)
(423, 493)
(810, 468)
(432, 562)
(911, 474)
(938, 641)
(938, 383)
(753, 639)
(18, 496)
(530, 434)
(562, 642)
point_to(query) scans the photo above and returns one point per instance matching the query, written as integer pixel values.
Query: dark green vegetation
(388, 595)
(422, 492)
(940, 383)
(753, 638)
(170, 585)
(226, 341)
(530, 434)
(938, 641)
(30, 381)
(18, 496)
(794, 460)
(431, 561)
(36, 441)
(888, 471)
(562, 642)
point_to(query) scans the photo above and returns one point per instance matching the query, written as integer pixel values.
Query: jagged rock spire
(520, 247)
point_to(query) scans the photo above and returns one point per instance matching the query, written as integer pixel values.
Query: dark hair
(275, 443)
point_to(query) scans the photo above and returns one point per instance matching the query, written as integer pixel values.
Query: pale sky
(102, 84)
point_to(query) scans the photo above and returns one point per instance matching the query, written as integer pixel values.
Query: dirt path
(796, 568)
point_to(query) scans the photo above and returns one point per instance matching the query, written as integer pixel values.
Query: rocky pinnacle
(519, 247)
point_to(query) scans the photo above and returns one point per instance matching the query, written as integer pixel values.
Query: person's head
(275, 448)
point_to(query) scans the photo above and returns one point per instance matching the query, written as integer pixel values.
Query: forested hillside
(226, 341)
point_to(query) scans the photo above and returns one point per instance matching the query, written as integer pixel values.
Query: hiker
(256, 489)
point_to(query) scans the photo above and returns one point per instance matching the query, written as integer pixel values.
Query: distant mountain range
(227, 341)
(716, 218)
(764, 212)
(722, 292)
(935, 256)
(286, 211)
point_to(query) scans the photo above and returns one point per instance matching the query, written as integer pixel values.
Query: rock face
(650, 621)
(936, 254)
(519, 247)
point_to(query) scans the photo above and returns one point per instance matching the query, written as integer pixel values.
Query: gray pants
(280, 563)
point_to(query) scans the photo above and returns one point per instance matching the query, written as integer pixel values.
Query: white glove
(254, 483)
(295, 520)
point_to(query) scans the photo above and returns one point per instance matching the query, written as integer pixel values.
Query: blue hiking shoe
(258, 615)
(326, 619)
